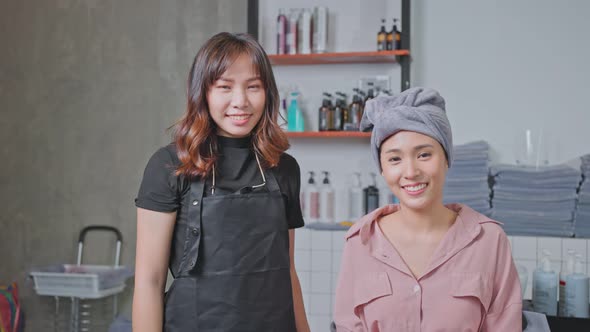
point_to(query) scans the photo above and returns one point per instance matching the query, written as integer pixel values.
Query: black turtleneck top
(235, 169)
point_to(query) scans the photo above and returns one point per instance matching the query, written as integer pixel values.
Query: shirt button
(195, 202)
(195, 231)
(416, 288)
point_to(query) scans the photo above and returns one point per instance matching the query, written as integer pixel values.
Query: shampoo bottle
(576, 291)
(355, 198)
(382, 37)
(355, 112)
(545, 282)
(371, 196)
(312, 200)
(324, 112)
(565, 271)
(326, 201)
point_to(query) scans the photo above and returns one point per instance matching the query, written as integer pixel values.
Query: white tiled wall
(526, 251)
(317, 259)
(318, 254)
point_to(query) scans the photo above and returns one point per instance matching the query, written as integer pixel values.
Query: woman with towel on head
(422, 265)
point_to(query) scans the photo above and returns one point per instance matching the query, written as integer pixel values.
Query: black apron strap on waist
(193, 234)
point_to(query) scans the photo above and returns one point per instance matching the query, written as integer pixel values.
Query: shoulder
(287, 162)
(362, 228)
(490, 230)
(167, 154)
(162, 162)
(288, 168)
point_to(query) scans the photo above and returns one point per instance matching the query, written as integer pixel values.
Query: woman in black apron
(219, 205)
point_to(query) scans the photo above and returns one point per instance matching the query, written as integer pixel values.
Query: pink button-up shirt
(470, 284)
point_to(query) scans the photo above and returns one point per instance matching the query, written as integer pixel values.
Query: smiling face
(414, 167)
(236, 100)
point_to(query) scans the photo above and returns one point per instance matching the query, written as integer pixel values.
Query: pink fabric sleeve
(505, 312)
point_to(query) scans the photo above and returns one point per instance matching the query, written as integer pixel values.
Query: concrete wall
(87, 89)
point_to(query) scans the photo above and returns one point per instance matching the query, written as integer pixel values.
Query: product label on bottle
(281, 38)
(314, 205)
(292, 43)
(562, 308)
(544, 299)
(355, 206)
(327, 206)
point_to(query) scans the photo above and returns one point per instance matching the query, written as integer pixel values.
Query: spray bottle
(305, 32)
(282, 32)
(326, 201)
(292, 37)
(295, 120)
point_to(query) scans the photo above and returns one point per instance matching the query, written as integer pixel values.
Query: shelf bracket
(405, 41)
(252, 20)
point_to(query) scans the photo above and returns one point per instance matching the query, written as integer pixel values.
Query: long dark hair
(196, 129)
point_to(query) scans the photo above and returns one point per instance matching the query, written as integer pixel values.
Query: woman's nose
(239, 99)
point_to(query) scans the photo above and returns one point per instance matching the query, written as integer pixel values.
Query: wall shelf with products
(395, 54)
(337, 58)
(400, 56)
(330, 134)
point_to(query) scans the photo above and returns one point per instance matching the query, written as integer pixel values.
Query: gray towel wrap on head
(421, 110)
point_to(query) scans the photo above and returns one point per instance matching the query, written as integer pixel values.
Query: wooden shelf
(331, 134)
(333, 58)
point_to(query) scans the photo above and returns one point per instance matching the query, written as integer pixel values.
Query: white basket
(82, 281)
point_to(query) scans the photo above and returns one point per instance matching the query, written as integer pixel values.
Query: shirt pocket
(373, 300)
(472, 295)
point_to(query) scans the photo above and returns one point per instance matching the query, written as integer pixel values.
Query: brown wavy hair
(196, 131)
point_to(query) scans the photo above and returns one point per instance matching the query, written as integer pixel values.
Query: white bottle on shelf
(304, 32)
(326, 200)
(576, 291)
(320, 29)
(292, 31)
(565, 271)
(545, 282)
(311, 200)
(355, 198)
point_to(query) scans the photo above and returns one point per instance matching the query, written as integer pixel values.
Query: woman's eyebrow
(416, 148)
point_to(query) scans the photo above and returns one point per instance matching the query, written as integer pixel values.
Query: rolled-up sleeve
(505, 312)
(158, 190)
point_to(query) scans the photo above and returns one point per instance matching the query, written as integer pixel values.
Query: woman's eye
(254, 87)
(394, 159)
(424, 155)
(224, 87)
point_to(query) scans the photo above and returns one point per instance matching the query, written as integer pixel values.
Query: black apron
(232, 272)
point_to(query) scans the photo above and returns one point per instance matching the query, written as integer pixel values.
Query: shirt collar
(467, 223)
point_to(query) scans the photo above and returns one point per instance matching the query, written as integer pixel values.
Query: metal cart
(80, 282)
